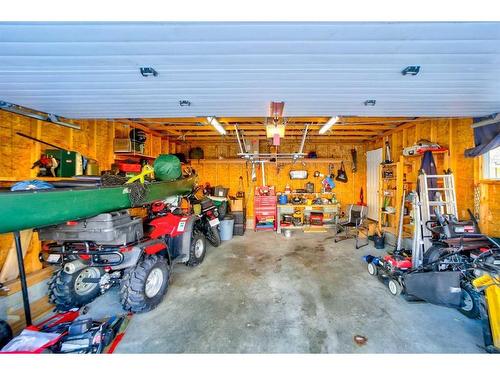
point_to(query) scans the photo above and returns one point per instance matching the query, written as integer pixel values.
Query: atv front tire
(143, 287)
(69, 290)
(5, 333)
(197, 250)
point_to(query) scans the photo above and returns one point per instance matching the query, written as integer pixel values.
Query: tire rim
(82, 288)
(153, 283)
(371, 270)
(393, 287)
(198, 248)
(467, 303)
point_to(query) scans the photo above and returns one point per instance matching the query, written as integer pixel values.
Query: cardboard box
(237, 204)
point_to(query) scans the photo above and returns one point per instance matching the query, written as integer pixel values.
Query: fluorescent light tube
(328, 124)
(216, 124)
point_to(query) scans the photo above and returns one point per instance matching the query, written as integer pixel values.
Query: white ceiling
(91, 70)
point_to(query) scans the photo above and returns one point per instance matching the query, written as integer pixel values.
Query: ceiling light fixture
(184, 103)
(328, 124)
(147, 71)
(370, 102)
(216, 124)
(411, 70)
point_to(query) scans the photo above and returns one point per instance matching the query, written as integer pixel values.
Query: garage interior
(290, 128)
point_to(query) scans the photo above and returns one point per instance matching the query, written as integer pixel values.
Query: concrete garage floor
(263, 293)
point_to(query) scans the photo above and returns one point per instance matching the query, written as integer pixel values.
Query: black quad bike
(209, 217)
(116, 248)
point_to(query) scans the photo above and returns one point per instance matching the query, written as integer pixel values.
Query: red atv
(116, 248)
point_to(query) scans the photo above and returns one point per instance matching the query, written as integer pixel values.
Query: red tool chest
(265, 208)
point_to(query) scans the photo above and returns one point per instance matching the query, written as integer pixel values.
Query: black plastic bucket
(379, 241)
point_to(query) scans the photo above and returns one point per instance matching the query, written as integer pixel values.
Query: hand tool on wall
(388, 157)
(354, 155)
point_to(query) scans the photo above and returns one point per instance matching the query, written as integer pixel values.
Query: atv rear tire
(213, 235)
(469, 304)
(67, 290)
(197, 250)
(143, 287)
(5, 333)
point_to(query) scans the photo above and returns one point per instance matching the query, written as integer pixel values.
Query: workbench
(289, 208)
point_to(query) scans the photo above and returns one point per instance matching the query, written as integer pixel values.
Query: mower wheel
(5, 333)
(469, 304)
(143, 287)
(372, 269)
(69, 290)
(197, 250)
(395, 287)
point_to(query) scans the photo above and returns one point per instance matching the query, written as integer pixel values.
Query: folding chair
(353, 225)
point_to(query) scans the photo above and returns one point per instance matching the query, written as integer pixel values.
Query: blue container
(283, 199)
(226, 228)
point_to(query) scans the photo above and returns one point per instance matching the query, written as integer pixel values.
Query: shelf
(394, 232)
(421, 154)
(242, 161)
(309, 205)
(306, 226)
(388, 213)
(120, 155)
(217, 161)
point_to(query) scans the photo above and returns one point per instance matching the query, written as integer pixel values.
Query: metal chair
(353, 225)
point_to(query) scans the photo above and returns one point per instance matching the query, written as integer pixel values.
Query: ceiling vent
(411, 70)
(147, 71)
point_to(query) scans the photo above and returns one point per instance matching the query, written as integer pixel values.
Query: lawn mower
(116, 248)
(445, 276)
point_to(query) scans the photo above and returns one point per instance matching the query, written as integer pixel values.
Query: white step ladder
(444, 199)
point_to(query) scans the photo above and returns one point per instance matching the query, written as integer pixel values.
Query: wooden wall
(227, 172)
(94, 140)
(457, 135)
(490, 207)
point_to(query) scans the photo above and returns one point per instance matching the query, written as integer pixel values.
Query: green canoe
(35, 209)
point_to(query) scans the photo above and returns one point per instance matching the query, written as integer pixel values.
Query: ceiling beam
(257, 126)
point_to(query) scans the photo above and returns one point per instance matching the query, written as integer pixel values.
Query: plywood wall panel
(227, 174)
(457, 135)
(17, 154)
